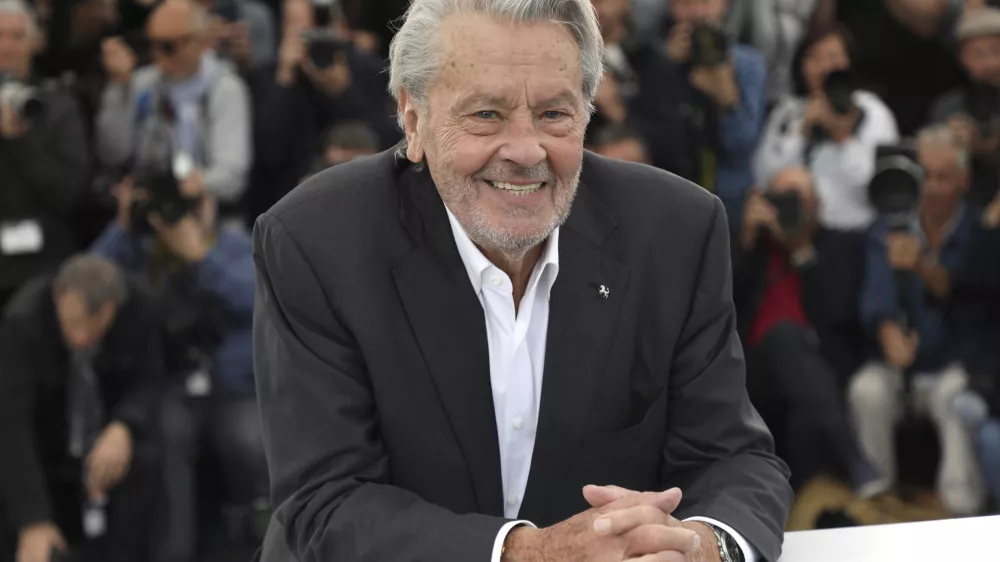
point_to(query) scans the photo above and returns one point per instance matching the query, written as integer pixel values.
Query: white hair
(938, 137)
(414, 54)
(21, 8)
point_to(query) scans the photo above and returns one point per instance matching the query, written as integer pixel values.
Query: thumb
(669, 500)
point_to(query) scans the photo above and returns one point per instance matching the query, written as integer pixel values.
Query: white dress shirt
(517, 359)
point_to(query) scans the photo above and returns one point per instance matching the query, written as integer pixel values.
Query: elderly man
(43, 160)
(200, 97)
(926, 337)
(479, 347)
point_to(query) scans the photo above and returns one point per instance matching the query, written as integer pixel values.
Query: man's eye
(486, 114)
(552, 114)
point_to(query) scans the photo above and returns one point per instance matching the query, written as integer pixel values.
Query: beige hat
(982, 22)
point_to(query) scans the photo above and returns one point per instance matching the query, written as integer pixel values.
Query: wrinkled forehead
(11, 22)
(516, 63)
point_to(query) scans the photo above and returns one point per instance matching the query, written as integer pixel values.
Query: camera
(157, 170)
(709, 45)
(896, 187)
(21, 98)
(788, 206)
(839, 87)
(227, 10)
(323, 43)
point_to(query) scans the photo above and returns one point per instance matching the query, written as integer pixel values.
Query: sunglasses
(168, 47)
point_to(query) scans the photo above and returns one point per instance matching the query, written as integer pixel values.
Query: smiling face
(502, 129)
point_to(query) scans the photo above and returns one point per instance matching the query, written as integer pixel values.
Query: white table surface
(973, 539)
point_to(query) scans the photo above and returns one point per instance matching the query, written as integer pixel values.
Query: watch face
(732, 548)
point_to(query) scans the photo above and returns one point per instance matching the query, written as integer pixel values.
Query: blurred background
(854, 143)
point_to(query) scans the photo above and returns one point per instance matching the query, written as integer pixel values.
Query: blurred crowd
(854, 143)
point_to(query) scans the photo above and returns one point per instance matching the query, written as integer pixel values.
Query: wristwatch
(729, 549)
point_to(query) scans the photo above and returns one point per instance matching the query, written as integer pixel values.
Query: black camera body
(789, 208)
(896, 187)
(709, 45)
(21, 98)
(839, 87)
(156, 173)
(323, 42)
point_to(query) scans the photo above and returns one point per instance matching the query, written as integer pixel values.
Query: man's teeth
(517, 189)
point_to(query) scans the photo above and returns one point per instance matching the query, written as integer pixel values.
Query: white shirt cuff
(749, 554)
(502, 536)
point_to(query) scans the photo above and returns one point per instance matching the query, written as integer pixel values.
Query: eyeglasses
(167, 47)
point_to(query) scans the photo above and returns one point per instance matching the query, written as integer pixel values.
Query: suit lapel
(447, 319)
(581, 328)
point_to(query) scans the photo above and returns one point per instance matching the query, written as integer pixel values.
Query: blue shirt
(946, 329)
(740, 130)
(227, 273)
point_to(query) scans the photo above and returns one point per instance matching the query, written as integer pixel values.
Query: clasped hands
(622, 525)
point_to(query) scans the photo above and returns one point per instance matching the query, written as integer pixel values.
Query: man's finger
(624, 520)
(600, 496)
(651, 539)
(670, 556)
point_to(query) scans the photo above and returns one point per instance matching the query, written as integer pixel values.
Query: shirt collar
(476, 263)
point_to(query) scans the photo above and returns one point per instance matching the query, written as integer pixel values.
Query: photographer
(43, 159)
(80, 374)
(783, 290)
(973, 110)
(202, 97)
(723, 101)
(924, 335)
(831, 128)
(320, 79)
(205, 273)
(244, 32)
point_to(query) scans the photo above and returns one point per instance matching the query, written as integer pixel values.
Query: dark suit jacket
(373, 368)
(34, 369)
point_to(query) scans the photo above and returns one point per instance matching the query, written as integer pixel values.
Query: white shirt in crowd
(841, 171)
(517, 359)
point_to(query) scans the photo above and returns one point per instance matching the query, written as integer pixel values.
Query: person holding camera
(782, 287)
(830, 127)
(201, 97)
(973, 109)
(205, 275)
(244, 32)
(724, 102)
(320, 79)
(925, 336)
(43, 159)
(80, 375)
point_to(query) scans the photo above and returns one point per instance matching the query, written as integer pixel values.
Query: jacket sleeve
(51, 160)
(139, 405)
(230, 145)
(23, 491)
(228, 273)
(115, 125)
(878, 291)
(714, 434)
(331, 482)
(740, 128)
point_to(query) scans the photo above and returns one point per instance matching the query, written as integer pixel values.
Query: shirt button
(518, 422)
(513, 499)
(495, 280)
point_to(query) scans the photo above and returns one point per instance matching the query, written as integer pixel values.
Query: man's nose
(522, 144)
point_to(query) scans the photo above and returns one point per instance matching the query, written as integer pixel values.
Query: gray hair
(96, 279)
(414, 54)
(938, 137)
(21, 8)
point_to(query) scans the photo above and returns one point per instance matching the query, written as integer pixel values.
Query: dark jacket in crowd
(289, 124)
(968, 100)
(978, 282)
(34, 372)
(225, 278)
(829, 297)
(42, 176)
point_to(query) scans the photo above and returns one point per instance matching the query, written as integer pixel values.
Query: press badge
(95, 519)
(198, 384)
(19, 238)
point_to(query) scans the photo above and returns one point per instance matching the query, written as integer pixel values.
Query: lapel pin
(604, 291)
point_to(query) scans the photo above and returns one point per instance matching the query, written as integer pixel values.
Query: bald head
(180, 17)
(178, 32)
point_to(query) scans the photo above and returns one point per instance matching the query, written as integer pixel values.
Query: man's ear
(411, 127)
